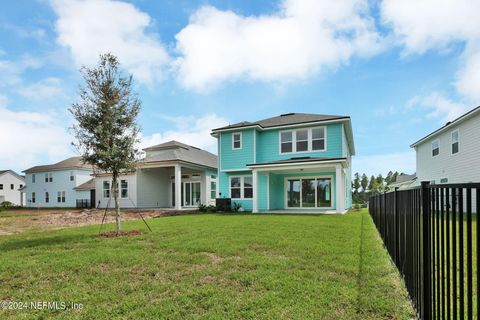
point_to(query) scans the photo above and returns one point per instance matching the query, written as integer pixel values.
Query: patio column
(178, 187)
(255, 191)
(340, 189)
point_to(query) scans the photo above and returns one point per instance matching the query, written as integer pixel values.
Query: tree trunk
(117, 202)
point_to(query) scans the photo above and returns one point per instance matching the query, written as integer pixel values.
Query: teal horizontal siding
(268, 145)
(236, 159)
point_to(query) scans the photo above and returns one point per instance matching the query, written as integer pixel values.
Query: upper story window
(1, 186)
(48, 177)
(236, 140)
(303, 140)
(12, 186)
(455, 141)
(72, 177)
(435, 148)
(33, 178)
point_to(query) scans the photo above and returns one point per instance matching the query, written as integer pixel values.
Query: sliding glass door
(311, 192)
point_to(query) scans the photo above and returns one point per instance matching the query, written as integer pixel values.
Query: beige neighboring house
(171, 175)
(11, 184)
(404, 181)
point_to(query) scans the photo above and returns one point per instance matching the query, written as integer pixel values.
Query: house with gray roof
(171, 175)
(55, 185)
(294, 162)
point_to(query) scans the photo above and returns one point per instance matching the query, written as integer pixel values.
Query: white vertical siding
(129, 202)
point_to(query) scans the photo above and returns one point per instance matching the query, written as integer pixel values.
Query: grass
(240, 266)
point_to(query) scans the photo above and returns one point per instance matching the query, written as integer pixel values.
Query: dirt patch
(16, 221)
(114, 234)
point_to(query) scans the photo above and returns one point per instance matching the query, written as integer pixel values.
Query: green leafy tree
(364, 182)
(356, 182)
(106, 128)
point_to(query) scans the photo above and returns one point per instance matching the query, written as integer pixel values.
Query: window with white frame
(124, 189)
(50, 177)
(213, 189)
(47, 197)
(236, 140)
(435, 148)
(1, 186)
(61, 196)
(12, 186)
(286, 141)
(303, 140)
(106, 189)
(46, 177)
(241, 187)
(72, 177)
(33, 178)
(33, 197)
(455, 141)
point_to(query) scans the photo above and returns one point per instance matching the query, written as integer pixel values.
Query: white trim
(254, 191)
(178, 187)
(268, 190)
(219, 163)
(313, 176)
(309, 140)
(458, 141)
(236, 170)
(233, 140)
(254, 146)
(340, 189)
(293, 165)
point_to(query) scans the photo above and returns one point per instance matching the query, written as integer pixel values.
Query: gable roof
(448, 125)
(70, 163)
(177, 151)
(283, 120)
(89, 185)
(405, 177)
(294, 119)
(20, 177)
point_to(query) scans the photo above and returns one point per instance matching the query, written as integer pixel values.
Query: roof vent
(287, 114)
(448, 123)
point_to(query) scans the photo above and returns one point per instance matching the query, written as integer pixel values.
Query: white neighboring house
(10, 185)
(451, 154)
(55, 185)
(172, 175)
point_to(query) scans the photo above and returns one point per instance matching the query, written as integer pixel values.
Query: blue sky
(400, 70)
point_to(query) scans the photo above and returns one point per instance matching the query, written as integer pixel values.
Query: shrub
(236, 206)
(7, 205)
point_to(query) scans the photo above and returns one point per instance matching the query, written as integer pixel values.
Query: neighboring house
(172, 175)
(404, 181)
(55, 185)
(291, 162)
(10, 185)
(451, 154)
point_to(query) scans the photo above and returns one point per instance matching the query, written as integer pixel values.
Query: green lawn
(208, 266)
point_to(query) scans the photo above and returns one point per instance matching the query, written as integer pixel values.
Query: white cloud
(11, 70)
(431, 24)
(438, 106)
(26, 137)
(89, 28)
(190, 130)
(383, 163)
(303, 37)
(43, 89)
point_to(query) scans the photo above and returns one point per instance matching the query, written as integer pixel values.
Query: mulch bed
(114, 234)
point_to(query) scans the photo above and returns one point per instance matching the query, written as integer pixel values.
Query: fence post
(427, 310)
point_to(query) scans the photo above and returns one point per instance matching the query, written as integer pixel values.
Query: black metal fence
(84, 204)
(432, 234)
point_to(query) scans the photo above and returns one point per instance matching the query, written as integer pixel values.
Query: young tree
(106, 130)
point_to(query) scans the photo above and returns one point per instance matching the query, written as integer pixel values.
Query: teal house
(294, 162)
